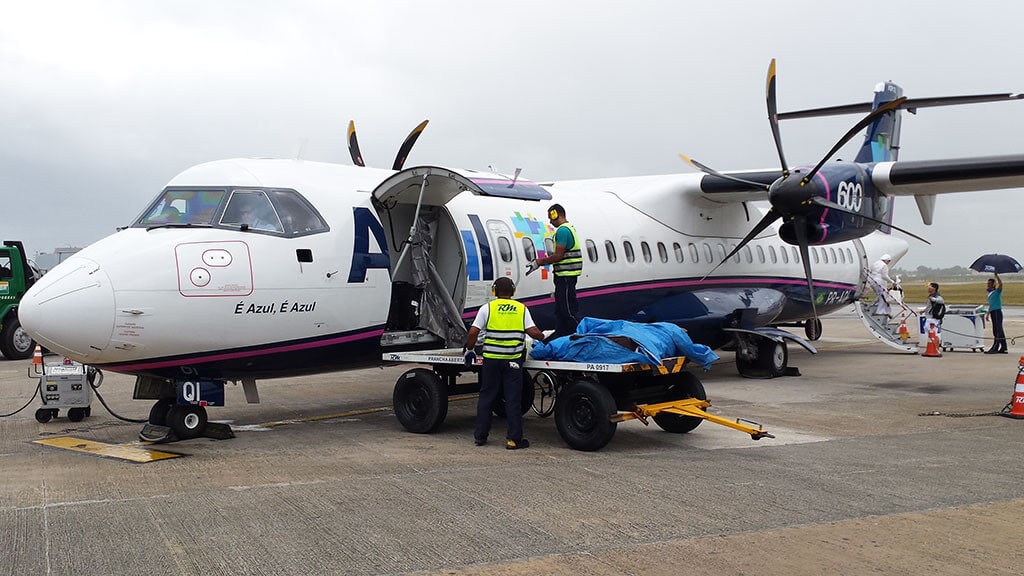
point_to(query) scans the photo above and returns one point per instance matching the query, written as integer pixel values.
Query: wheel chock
(157, 434)
(218, 431)
(164, 434)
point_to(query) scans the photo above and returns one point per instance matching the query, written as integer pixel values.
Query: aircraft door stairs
(428, 264)
(884, 327)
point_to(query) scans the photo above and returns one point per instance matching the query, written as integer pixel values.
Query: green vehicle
(17, 274)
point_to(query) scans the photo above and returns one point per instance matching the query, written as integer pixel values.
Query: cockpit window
(251, 209)
(297, 215)
(196, 207)
(273, 211)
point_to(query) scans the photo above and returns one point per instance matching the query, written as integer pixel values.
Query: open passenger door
(428, 257)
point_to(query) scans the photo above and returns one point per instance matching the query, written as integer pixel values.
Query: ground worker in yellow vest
(568, 265)
(505, 323)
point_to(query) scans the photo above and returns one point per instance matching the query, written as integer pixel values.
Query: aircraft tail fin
(882, 141)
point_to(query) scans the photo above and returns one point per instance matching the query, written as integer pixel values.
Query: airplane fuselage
(186, 301)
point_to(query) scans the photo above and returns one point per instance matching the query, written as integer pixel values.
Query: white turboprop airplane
(257, 268)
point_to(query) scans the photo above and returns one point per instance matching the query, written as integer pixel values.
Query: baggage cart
(963, 328)
(588, 399)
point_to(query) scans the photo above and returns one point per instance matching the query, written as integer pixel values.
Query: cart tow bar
(692, 407)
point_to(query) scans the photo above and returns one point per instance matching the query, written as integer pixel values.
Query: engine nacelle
(843, 183)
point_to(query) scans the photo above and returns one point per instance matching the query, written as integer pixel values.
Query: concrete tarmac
(857, 481)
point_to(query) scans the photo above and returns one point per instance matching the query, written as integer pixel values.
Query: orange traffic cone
(37, 358)
(1017, 402)
(904, 334)
(932, 350)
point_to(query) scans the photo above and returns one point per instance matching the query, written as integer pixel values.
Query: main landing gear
(758, 357)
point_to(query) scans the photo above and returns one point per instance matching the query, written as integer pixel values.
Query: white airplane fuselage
(232, 303)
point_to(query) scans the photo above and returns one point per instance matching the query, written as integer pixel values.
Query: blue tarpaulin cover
(655, 342)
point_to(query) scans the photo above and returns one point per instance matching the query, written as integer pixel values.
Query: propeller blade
(800, 227)
(403, 152)
(773, 116)
(353, 145)
(770, 217)
(833, 206)
(713, 172)
(888, 107)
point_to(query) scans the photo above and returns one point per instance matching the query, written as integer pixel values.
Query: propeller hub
(788, 196)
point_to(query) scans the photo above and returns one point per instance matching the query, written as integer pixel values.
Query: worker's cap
(886, 257)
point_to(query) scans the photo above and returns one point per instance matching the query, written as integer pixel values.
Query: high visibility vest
(572, 258)
(506, 332)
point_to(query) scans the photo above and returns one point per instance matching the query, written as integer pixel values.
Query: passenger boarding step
(395, 338)
(887, 328)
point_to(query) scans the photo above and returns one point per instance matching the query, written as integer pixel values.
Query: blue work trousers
(497, 377)
(566, 307)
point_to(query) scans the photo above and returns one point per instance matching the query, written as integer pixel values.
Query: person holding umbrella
(996, 263)
(995, 313)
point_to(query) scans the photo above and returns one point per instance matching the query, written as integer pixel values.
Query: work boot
(517, 445)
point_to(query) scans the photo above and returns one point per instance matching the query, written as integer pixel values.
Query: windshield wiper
(177, 225)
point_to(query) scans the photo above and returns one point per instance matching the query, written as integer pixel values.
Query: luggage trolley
(962, 328)
(588, 399)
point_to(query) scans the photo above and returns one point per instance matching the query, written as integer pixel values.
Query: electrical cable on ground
(95, 389)
(31, 398)
(1005, 409)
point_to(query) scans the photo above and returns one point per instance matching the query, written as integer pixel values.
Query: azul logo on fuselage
(365, 224)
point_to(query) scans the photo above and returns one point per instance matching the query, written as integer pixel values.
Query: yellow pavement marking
(133, 452)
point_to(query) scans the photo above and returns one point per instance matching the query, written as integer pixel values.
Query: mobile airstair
(886, 327)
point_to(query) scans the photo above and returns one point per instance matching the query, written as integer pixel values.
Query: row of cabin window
(821, 255)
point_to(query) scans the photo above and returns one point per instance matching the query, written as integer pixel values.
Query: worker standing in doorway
(505, 323)
(568, 265)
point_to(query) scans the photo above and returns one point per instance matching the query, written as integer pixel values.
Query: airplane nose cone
(70, 310)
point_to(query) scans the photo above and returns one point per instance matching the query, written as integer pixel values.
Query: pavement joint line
(360, 412)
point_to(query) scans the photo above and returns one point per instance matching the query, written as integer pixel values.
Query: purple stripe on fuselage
(738, 281)
(271, 349)
(714, 282)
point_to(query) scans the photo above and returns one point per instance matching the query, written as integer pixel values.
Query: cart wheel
(684, 385)
(583, 415)
(76, 414)
(44, 415)
(420, 400)
(546, 390)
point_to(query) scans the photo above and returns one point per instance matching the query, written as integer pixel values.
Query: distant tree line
(926, 272)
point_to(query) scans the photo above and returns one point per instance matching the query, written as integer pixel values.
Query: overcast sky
(102, 103)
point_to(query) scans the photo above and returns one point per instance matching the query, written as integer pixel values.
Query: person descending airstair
(883, 312)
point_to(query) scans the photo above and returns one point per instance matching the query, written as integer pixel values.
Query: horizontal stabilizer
(911, 105)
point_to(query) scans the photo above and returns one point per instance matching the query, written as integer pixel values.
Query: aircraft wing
(902, 178)
(928, 177)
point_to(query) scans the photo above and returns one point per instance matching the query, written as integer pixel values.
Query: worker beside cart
(506, 323)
